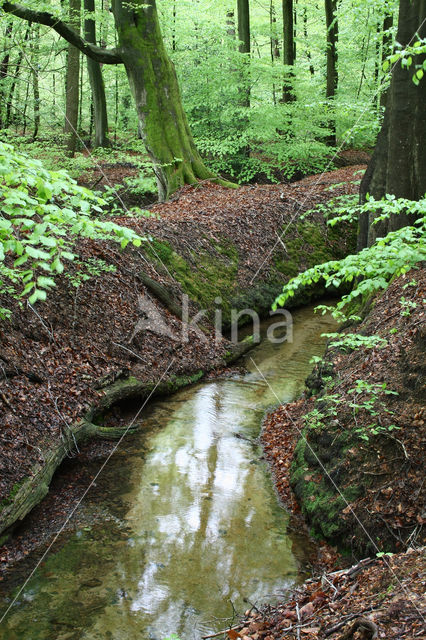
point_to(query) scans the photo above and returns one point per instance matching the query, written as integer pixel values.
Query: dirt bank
(350, 464)
(112, 328)
(353, 452)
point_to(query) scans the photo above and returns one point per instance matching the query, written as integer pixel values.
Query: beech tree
(288, 49)
(153, 83)
(96, 81)
(398, 165)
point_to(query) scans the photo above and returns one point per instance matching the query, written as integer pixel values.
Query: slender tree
(96, 81)
(35, 75)
(398, 164)
(4, 69)
(153, 82)
(332, 72)
(243, 12)
(72, 81)
(288, 50)
(15, 77)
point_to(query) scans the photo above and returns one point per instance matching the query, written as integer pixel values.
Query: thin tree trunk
(72, 82)
(244, 48)
(36, 87)
(305, 33)
(15, 78)
(4, 69)
(174, 27)
(288, 50)
(332, 73)
(275, 46)
(96, 83)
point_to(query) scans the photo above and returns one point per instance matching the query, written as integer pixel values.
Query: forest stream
(186, 528)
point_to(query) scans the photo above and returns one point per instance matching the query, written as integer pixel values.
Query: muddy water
(185, 523)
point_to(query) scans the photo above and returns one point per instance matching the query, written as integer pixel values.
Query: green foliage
(408, 56)
(348, 342)
(42, 215)
(373, 268)
(367, 397)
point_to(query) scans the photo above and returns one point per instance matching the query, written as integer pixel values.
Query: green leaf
(38, 294)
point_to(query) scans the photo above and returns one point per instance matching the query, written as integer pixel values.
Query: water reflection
(202, 530)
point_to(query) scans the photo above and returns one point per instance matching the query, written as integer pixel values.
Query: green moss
(177, 382)
(312, 243)
(9, 499)
(204, 276)
(318, 466)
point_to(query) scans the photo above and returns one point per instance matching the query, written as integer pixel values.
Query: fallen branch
(361, 623)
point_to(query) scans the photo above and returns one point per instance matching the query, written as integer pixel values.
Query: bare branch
(106, 56)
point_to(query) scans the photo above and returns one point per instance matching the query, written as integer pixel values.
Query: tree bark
(4, 69)
(243, 11)
(154, 86)
(398, 165)
(332, 73)
(288, 50)
(36, 86)
(96, 83)
(72, 82)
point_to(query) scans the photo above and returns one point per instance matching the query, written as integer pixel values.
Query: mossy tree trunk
(398, 165)
(154, 86)
(153, 82)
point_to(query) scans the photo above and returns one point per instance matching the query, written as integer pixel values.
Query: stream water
(185, 524)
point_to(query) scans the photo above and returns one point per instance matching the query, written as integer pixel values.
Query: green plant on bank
(370, 270)
(92, 267)
(366, 397)
(43, 213)
(407, 306)
(348, 342)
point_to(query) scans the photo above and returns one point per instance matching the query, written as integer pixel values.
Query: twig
(219, 633)
(298, 620)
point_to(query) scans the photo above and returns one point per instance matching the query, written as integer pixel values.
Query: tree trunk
(275, 45)
(305, 34)
(154, 85)
(386, 48)
(36, 86)
(244, 47)
(332, 73)
(288, 50)
(4, 69)
(72, 82)
(398, 165)
(96, 83)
